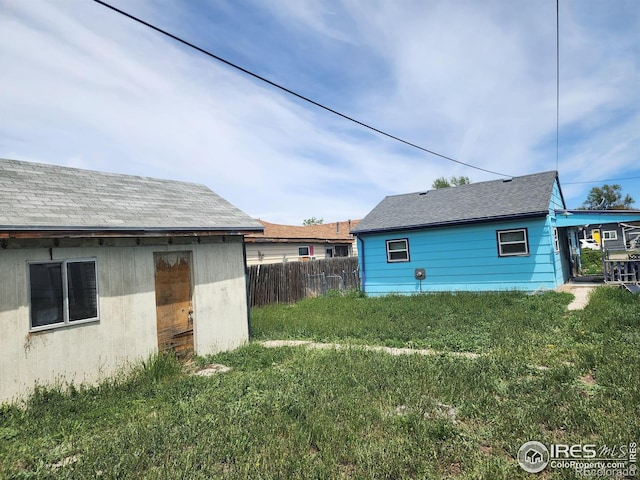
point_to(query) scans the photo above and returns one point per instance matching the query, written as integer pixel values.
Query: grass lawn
(543, 373)
(591, 262)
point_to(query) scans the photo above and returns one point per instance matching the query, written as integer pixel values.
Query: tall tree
(607, 197)
(442, 182)
(312, 221)
(457, 181)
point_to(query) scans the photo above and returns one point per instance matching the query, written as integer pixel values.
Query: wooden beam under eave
(40, 234)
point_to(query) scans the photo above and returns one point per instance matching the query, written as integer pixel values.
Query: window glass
(83, 298)
(47, 296)
(398, 250)
(513, 242)
(517, 236)
(62, 292)
(342, 251)
(513, 248)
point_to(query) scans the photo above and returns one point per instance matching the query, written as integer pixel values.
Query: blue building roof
(517, 197)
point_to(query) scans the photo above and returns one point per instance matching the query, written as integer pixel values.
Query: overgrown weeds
(291, 412)
(591, 262)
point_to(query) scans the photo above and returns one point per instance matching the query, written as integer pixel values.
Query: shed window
(63, 293)
(556, 240)
(513, 242)
(398, 250)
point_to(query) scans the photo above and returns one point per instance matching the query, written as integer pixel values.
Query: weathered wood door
(174, 307)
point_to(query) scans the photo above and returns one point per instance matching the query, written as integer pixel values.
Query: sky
(84, 86)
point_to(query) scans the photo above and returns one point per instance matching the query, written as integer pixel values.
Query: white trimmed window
(513, 242)
(306, 251)
(556, 240)
(609, 235)
(62, 293)
(398, 250)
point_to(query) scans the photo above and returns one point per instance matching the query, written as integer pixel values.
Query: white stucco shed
(101, 270)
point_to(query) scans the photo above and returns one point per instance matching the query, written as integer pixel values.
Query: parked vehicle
(589, 243)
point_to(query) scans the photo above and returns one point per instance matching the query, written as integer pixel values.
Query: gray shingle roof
(527, 195)
(36, 196)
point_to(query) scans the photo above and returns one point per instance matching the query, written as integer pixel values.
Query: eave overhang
(110, 232)
(579, 218)
(452, 223)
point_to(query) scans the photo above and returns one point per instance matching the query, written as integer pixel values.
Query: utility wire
(557, 82)
(601, 181)
(291, 92)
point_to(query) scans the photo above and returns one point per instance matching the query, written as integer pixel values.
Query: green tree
(312, 221)
(457, 181)
(442, 182)
(607, 197)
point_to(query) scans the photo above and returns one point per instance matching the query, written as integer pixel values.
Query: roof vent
(507, 180)
(423, 193)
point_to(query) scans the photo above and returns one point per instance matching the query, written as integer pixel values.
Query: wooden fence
(293, 281)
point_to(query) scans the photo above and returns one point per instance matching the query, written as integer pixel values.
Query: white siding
(126, 331)
(277, 252)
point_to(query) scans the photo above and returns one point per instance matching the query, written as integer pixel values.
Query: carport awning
(577, 218)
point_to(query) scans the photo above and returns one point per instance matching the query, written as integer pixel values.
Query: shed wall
(126, 330)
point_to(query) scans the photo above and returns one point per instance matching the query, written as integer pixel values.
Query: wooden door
(174, 307)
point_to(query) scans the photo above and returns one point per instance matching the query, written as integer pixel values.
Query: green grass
(591, 262)
(474, 322)
(349, 413)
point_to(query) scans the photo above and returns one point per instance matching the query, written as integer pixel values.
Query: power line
(291, 92)
(601, 181)
(557, 83)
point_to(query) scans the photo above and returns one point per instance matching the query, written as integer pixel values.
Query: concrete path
(374, 348)
(580, 291)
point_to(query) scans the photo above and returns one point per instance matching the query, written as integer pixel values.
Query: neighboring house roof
(524, 196)
(39, 197)
(335, 232)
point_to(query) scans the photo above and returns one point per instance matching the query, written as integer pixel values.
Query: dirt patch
(212, 370)
(588, 380)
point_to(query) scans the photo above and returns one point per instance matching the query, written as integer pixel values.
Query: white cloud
(87, 87)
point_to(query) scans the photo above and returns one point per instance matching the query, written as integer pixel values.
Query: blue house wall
(466, 257)
(562, 264)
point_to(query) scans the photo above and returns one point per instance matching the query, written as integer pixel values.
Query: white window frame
(609, 235)
(525, 242)
(556, 240)
(308, 254)
(65, 294)
(405, 250)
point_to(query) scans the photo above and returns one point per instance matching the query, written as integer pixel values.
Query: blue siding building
(496, 235)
